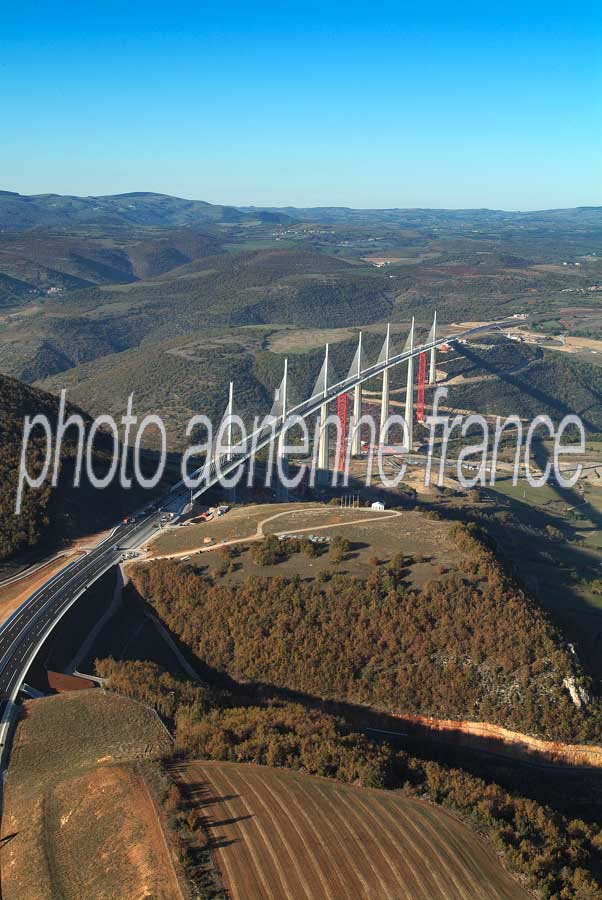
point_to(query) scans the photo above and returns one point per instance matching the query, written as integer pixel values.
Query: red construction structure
(421, 384)
(343, 413)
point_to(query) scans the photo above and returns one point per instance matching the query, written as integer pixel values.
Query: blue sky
(450, 105)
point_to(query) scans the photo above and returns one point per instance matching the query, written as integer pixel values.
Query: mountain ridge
(24, 211)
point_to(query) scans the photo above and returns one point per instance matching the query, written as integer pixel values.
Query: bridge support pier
(384, 405)
(384, 400)
(356, 442)
(356, 369)
(322, 475)
(281, 488)
(230, 492)
(409, 407)
(433, 365)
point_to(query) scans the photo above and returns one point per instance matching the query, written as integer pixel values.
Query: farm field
(78, 818)
(280, 834)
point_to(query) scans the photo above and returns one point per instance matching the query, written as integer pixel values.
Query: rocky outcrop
(494, 739)
(579, 695)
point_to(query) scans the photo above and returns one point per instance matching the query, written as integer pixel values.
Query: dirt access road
(355, 517)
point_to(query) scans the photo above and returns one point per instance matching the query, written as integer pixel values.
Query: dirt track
(359, 517)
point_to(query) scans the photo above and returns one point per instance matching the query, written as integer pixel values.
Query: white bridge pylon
(281, 417)
(354, 374)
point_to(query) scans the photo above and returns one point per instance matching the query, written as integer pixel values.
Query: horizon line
(254, 206)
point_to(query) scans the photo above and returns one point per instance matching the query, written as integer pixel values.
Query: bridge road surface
(23, 633)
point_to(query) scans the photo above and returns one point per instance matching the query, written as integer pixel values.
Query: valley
(423, 657)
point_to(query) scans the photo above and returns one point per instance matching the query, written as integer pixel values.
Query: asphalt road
(22, 634)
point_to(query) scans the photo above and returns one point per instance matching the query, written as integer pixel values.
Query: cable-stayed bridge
(23, 634)
(230, 455)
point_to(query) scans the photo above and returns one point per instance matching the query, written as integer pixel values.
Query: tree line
(555, 854)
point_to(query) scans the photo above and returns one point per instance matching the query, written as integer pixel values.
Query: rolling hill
(293, 287)
(418, 651)
(74, 825)
(50, 515)
(455, 219)
(138, 290)
(51, 262)
(182, 376)
(19, 211)
(502, 378)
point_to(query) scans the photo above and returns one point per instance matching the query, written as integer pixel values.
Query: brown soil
(59, 682)
(280, 834)
(103, 839)
(12, 595)
(78, 820)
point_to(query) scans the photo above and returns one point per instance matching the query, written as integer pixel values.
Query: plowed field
(279, 834)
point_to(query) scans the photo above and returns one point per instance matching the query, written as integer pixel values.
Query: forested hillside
(179, 378)
(20, 211)
(48, 515)
(549, 383)
(172, 298)
(40, 263)
(469, 645)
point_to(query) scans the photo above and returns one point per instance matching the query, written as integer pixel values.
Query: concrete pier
(433, 365)
(409, 407)
(323, 435)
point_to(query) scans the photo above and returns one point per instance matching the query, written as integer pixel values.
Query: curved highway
(22, 635)
(24, 631)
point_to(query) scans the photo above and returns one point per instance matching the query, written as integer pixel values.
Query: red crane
(342, 413)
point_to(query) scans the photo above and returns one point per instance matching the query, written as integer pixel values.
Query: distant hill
(102, 294)
(19, 211)
(47, 261)
(461, 219)
(292, 287)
